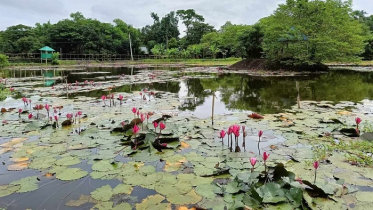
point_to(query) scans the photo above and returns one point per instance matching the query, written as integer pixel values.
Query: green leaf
(271, 193)
(27, 184)
(103, 193)
(105, 165)
(122, 188)
(6, 190)
(71, 174)
(67, 161)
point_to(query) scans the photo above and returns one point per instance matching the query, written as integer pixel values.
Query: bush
(3, 60)
(55, 59)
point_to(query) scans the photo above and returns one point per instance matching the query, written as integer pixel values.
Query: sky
(137, 12)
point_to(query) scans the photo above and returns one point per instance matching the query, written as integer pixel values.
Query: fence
(35, 57)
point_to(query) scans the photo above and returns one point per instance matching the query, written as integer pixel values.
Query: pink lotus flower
(11, 89)
(79, 113)
(55, 117)
(316, 165)
(162, 126)
(123, 123)
(142, 117)
(20, 111)
(265, 156)
(69, 116)
(47, 107)
(24, 100)
(30, 116)
(103, 97)
(120, 97)
(155, 124)
(164, 144)
(134, 110)
(260, 134)
(138, 113)
(222, 134)
(135, 129)
(253, 161)
(230, 130)
(358, 120)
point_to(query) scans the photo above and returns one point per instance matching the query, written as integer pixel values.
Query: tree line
(298, 32)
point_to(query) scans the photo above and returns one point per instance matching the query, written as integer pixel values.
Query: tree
(162, 30)
(303, 32)
(189, 17)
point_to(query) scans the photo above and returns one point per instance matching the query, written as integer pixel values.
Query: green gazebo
(46, 53)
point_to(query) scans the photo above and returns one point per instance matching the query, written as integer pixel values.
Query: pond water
(234, 93)
(240, 92)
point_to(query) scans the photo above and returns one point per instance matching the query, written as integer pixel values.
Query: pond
(97, 162)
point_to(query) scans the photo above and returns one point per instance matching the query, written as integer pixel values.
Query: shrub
(55, 59)
(3, 60)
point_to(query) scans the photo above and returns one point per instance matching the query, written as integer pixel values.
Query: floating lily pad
(71, 174)
(27, 184)
(103, 193)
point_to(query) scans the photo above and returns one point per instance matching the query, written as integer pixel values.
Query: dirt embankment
(249, 64)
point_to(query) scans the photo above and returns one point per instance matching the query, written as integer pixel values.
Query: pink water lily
(265, 156)
(316, 165)
(358, 121)
(11, 89)
(134, 110)
(30, 116)
(155, 124)
(222, 134)
(162, 126)
(47, 107)
(123, 123)
(260, 134)
(19, 111)
(138, 113)
(135, 129)
(55, 117)
(120, 99)
(253, 161)
(79, 113)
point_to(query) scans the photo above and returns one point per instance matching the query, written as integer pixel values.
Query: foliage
(55, 59)
(158, 50)
(310, 32)
(3, 60)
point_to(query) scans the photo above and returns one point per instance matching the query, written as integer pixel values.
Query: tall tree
(311, 32)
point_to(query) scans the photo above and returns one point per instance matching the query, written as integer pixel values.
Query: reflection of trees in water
(197, 94)
(272, 94)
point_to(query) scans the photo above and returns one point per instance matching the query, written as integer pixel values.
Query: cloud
(137, 12)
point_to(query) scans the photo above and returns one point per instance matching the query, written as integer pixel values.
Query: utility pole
(129, 36)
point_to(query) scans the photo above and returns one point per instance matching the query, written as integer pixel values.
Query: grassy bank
(199, 62)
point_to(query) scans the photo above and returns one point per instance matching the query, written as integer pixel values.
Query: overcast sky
(137, 12)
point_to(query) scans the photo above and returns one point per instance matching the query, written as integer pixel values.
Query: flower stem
(314, 182)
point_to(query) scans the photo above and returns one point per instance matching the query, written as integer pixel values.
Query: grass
(360, 63)
(198, 62)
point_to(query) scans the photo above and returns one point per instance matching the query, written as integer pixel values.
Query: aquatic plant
(120, 99)
(316, 165)
(222, 135)
(56, 119)
(253, 162)
(358, 121)
(47, 107)
(103, 97)
(134, 110)
(265, 157)
(260, 133)
(155, 124)
(30, 116)
(162, 126)
(19, 112)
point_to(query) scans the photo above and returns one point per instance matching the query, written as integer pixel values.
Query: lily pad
(103, 193)
(71, 174)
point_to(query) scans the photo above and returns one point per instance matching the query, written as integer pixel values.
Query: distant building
(145, 50)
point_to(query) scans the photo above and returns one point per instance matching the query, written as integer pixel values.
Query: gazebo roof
(46, 48)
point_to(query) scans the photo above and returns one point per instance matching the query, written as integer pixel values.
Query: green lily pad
(153, 202)
(71, 174)
(27, 184)
(6, 190)
(67, 161)
(122, 188)
(183, 199)
(207, 190)
(105, 165)
(103, 193)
